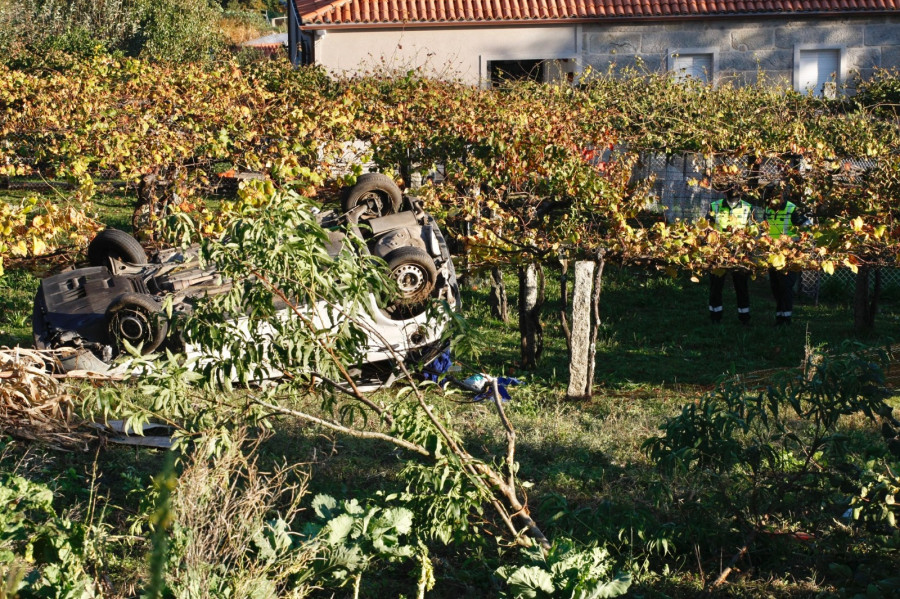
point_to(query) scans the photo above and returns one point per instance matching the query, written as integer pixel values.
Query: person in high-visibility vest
(730, 213)
(783, 217)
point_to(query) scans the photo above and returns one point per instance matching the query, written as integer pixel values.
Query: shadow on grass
(655, 331)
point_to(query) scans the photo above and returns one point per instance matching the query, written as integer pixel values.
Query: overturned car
(119, 297)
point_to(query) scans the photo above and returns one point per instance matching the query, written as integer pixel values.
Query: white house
(810, 43)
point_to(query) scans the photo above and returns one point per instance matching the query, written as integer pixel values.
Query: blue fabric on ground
(502, 383)
(438, 366)
(508, 381)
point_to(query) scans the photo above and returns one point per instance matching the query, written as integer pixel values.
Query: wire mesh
(676, 190)
(676, 193)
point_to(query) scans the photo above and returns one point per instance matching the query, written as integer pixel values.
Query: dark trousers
(741, 280)
(782, 283)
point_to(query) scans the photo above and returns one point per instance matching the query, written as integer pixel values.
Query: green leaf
(603, 590)
(530, 582)
(324, 506)
(339, 529)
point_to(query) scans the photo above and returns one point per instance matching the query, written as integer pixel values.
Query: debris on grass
(35, 405)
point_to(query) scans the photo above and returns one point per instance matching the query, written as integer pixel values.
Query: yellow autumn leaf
(37, 221)
(857, 223)
(20, 248)
(38, 245)
(828, 267)
(850, 265)
(694, 279)
(777, 261)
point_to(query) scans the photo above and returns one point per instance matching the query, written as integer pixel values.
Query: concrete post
(582, 325)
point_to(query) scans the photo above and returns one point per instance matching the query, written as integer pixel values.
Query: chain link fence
(677, 194)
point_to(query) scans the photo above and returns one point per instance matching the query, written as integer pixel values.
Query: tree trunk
(463, 274)
(865, 304)
(585, 326)
(531, 300)
(564, 304)
(873, 300)
(497, 299)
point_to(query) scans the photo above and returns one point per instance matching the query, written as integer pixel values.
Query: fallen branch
(402, 443)
(723, 575)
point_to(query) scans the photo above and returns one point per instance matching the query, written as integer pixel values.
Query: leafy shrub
(41, 32)
(881, 92)
(38, 227)
(74, 26)
(565, 571)
(789, 458)
(351, 538)
(762, 429)
(177, 30)
(876, 501)
(41, 553)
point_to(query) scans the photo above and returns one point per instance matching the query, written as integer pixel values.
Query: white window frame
(843, 71)
(713, 52)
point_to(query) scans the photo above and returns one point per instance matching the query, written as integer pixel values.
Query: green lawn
(656, 331)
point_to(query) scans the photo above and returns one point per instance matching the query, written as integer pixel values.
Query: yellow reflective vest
(780, 221)
(722, 215)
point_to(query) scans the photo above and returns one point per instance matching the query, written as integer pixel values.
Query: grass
(656, 332)
(590, 478)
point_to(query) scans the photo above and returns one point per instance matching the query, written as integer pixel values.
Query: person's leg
(741, 279)
(786, 299)
(716, 285)
(775, 286)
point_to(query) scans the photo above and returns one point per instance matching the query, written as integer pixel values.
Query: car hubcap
(410, 279)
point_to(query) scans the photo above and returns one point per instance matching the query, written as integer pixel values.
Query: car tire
(414, 271)
(377, 191)
(112, 243)
(137, 318)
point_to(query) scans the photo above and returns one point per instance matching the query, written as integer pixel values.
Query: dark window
(516, 70)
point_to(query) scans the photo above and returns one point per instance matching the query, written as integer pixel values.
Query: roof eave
(588, 19)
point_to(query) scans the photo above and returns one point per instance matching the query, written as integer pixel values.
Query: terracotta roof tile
(356, 12)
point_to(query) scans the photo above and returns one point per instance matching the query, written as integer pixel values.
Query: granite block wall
(745, 48)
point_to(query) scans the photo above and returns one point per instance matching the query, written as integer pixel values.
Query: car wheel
(378, 192)
(415, 274)
(137, 318)
(112, 243)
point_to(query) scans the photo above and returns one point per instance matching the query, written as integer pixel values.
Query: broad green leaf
(530, 582)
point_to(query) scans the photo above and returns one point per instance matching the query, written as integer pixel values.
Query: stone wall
(745, 47)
